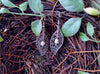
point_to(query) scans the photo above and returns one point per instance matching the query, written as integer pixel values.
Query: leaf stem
(27, 14)
(95, 41)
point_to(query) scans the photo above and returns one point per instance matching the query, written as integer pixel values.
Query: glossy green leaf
(23, 6)
(36, 27)
(35, 6)
(81, 72)
(8, 3)
(90, 29)
(4, 10)
(1, 39)
(83, 37)
(71, 27)
(72, 5)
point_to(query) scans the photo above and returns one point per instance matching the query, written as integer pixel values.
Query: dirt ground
(19, 54)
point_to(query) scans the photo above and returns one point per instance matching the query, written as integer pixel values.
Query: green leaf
(0, 2)
(80, 72)
(90, 29)
(4, 10)
(99, 59)
(36, 27)
(1, 39)
(95, 5)
(8, 3)
(35, 6)
(23, 6)
(83, 37)
(72, 5)
(91, 11)
(71, 27)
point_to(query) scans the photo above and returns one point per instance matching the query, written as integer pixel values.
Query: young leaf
(90, 29)
(80, 72)
(35, 6)
(71, 27)
(83, 37)
(8, 3)
(4, 10)
(99, 59)
(91, 11)
(36, 27)
(1, 39)
(23, 6)
(72, 5)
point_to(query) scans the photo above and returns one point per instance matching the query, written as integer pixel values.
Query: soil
(19, 54)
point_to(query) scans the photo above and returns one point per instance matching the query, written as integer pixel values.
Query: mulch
(19, 54)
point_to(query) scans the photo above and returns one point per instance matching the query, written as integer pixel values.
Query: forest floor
(19, 54)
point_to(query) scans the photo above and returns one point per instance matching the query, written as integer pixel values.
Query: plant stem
(27, 14)
(95, 41)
